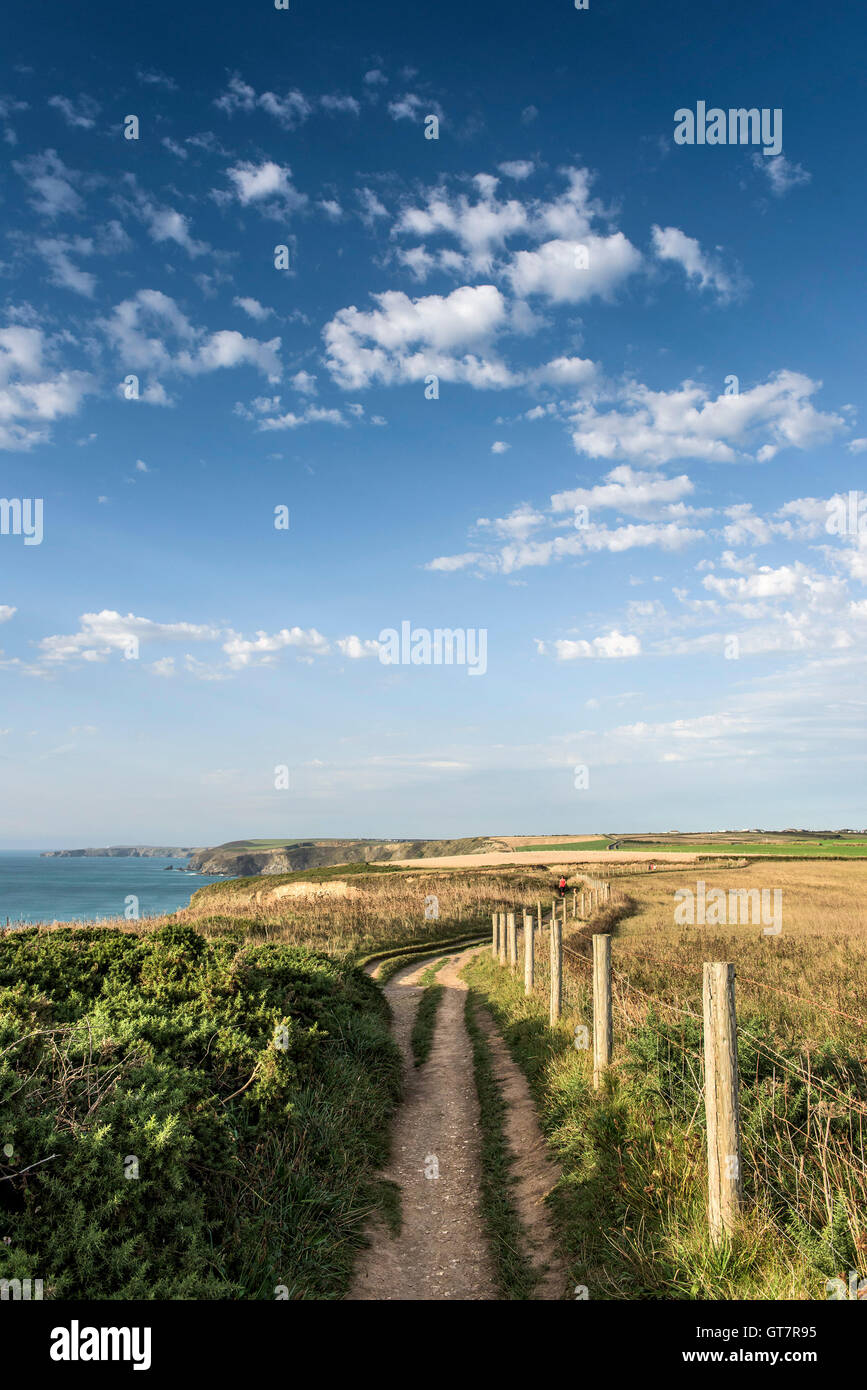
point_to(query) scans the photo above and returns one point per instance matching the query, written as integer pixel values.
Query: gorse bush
(188, 1111)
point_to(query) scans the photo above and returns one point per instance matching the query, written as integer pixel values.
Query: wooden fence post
(574, 903)
(513, 941)
(601, 1006)
(582, 902)
(495, 933)
(529, 953)
(502, 938)
(556, 971)
(722, 1108)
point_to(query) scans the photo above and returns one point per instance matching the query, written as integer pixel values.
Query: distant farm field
(848, 847)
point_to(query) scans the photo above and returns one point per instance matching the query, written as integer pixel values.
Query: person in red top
(562, 887)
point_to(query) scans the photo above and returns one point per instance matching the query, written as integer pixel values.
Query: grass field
(631, 1207)
(818, 848)
(358, 909)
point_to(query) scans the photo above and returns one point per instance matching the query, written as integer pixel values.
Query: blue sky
(649, 362)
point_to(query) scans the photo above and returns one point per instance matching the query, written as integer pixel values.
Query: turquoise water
(33, 889)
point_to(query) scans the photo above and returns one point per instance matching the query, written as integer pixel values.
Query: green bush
(251, 1086)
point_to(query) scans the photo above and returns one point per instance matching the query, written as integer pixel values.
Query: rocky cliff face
(243, 863)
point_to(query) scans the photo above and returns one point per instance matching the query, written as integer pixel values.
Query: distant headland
(122, 852)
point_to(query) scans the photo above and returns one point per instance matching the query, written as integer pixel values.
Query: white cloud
(355, 649)
(166, 224)
(659, 426)
(610, 645)
(371, 206)
(671, 244)
(57, 252)
(268, 414)
(339, 105)
(499, 447)
(32, 390)
(261, 649)
(289, 111)
(252, 307)
(780, 173)
(629, 490)
(406, 108)
(519, 169)
(267, 185)
(142, 327)
(81, 113)
(153, 78)
(6, 612)
(570, 271)
(102, 633)
(51, 184)
(407, 339)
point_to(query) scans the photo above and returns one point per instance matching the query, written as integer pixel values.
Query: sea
(33, 889)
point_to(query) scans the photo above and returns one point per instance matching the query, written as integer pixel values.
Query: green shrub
(251, 1086)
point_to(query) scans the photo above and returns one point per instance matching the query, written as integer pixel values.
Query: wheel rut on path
(442, 1251)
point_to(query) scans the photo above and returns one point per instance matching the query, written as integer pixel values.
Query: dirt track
(442, 1252)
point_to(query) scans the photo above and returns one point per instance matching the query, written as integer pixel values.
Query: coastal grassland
(188, 1118)
(357, 909)
(630, 1207)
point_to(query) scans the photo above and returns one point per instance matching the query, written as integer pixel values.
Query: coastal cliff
(242, 859)
(121, 852)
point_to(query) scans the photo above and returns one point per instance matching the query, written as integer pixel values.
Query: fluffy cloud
(612, 645)
(142, 328)
(568, 271)
(81, 113)
(57, 253)
(268, 186)
(404, 339)
(659, 501)
(102, 633)
(671, 244)
(629, 490)
(253, 308)
(289, 111)
(356, 649)
(33, 392)
(659, 426)
(268, 413)
(261, 649)
(780, 173)
(51, 184)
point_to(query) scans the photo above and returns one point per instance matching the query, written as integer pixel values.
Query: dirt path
(535, 1172)
(442, 1251)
